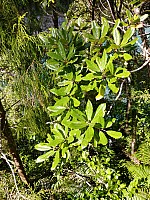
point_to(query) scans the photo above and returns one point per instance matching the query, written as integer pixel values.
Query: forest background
(74, 99)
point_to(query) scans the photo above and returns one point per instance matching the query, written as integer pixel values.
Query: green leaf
(62, 102)
(105, 27)
(43, 147)
(127, 56)
(71, 52)
(61, 50)
(122, 72)
(101, 92)
(100, 112)
(52, 64)
(103, 139)
(75, 102)
(77, 124)
(101, 62)
(64, 150)
(95, 30)
(117, 22)
(45, 156)
(56, 110)
(89, 133)
(110, 122)
(54, 56)
(64, 83)
(113, 87)
(92, 66)
(56, 160)
(143, 17)
(63, 90)
(88, 77)
(89, 110)
(110, 66)
(77, 114)
(116, 36)
(114, 134)
(128, 34)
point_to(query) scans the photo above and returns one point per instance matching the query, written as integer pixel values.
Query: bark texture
(6, 131)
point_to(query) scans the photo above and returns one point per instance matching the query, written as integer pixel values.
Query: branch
(117, 97)
(111, 10)
(135, 70)
(13, 174)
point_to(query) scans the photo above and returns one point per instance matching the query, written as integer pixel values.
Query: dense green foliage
(76, 99)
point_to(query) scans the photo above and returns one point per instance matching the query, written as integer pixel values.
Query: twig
(117, 97)
(135, 70)
(110, 10)
(13, 174)
(12, 105)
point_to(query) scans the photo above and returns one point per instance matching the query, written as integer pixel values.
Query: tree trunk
(6, 131)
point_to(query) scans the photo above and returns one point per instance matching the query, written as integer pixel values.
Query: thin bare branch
(135, 70)
(13, 174)
(117, 97)
(111, 10)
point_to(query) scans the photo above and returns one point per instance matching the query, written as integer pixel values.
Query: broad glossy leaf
(95, 30)
(63, 90)
(89, 110)
(92, 66)
(64, 150)
(100, 112)
(62, 102)
(127, 56)
(113, 87)
(61, 50)
(42, 147)
(71, 52)
(78, 124)
(117, 22)
(52, 64)
(116, 36)
(103, 139)
(54, 56)
(56, 160)
(114, 134)
(89, 133)
(105, 27)
(57, 134)
(76, 102)
(143, 17)
(101, 92)
(64, 83)
(77, 114)
(88, 77)
(122, 72)
(128, 34)
(45, 156)
(56, 110)
(110, 66)
(104, 60)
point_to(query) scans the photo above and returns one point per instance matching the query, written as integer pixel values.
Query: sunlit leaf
(92, 66)
(56, 160)
(101, 92)
(100, 112)
(43, 147)
(89, 110)
(128, 34)
(105, 27)
(77, 125)
(45, 156)
(114, 134)
(127, 56)
(103, 139)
